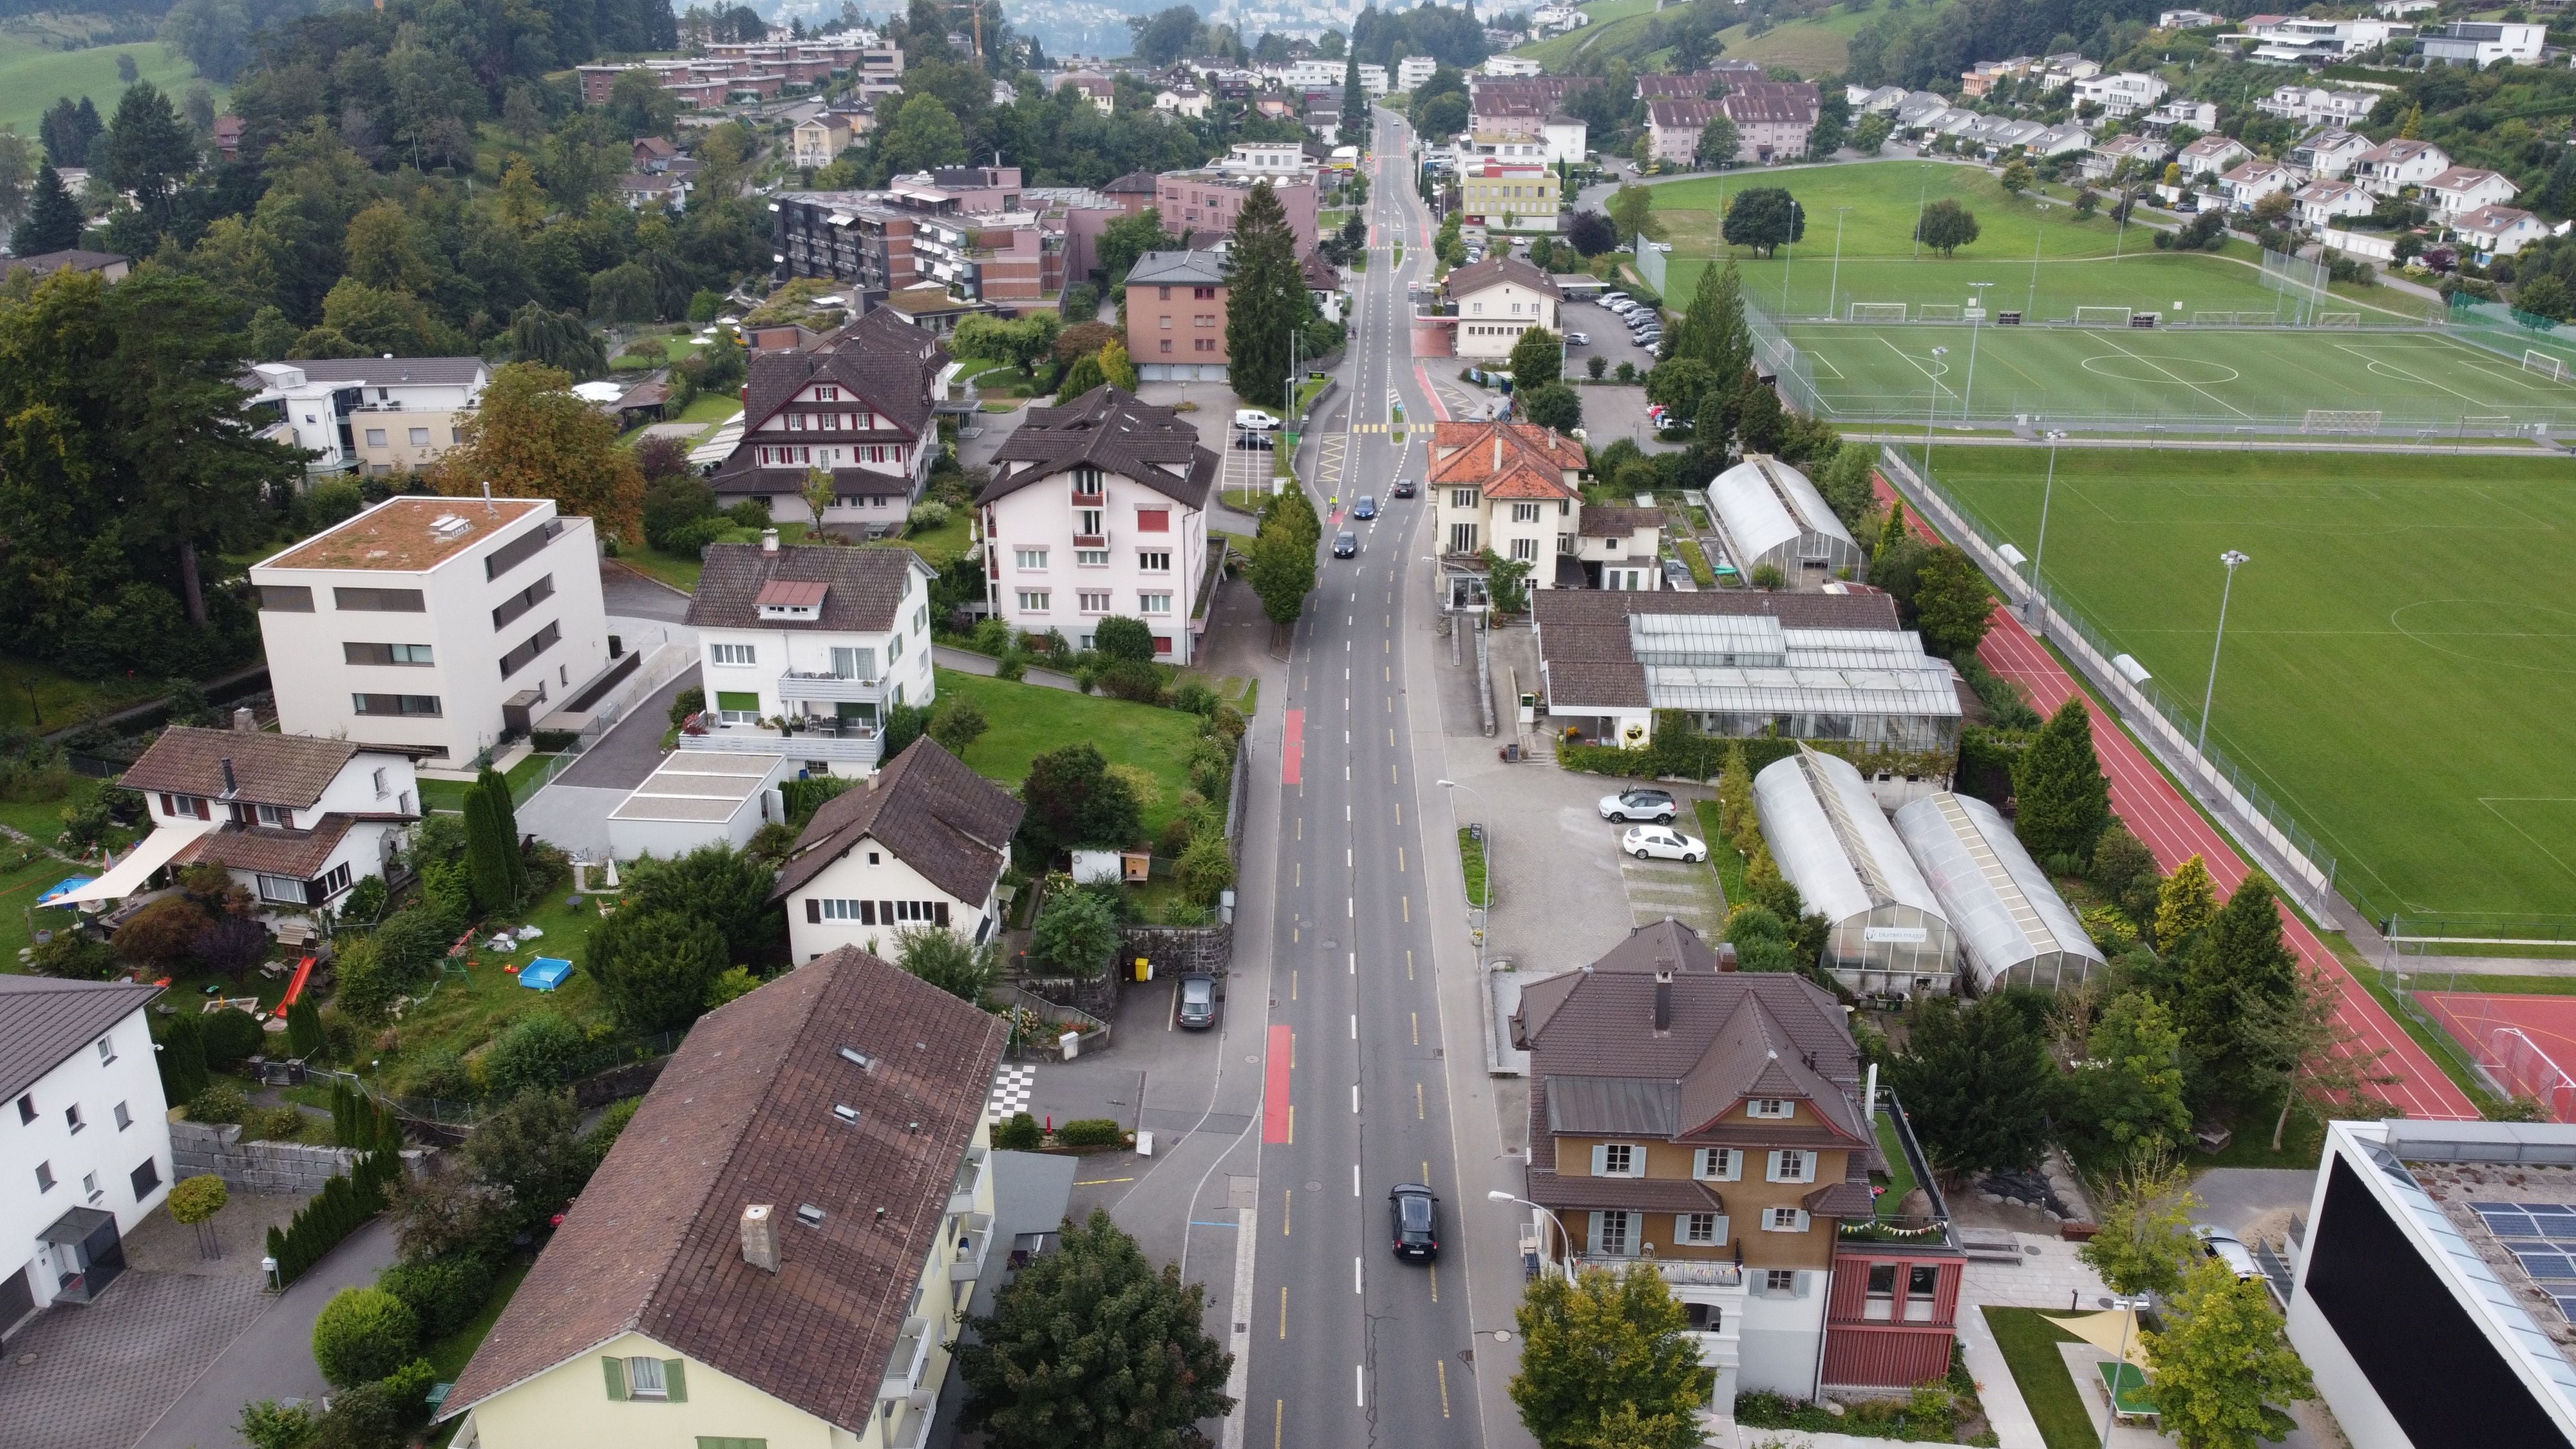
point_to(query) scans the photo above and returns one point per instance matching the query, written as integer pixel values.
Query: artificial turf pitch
(2400, 663)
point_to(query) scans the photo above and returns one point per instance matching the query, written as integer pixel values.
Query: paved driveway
(572, 812)
(98, 1377)
(1685, 891)
(631, 595)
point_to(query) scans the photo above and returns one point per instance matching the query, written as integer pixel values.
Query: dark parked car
(1259, 441)
(1198, 1005)
(1366, 507)
(1346, 545)
(1415, 1216)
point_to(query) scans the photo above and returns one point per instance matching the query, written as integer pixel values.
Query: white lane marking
(1359, 1378)
(1355, 963)
(1355, 1179)
(1355, 1036)
(1350, 907)
(1355, 1277)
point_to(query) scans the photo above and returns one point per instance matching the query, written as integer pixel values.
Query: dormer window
(1778, 1108)
(791, 602)
(1087, 482)
(827, 393)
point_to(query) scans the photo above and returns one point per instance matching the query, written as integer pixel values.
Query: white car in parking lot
(1578, 339)
(1662, 842)
(1254, 418)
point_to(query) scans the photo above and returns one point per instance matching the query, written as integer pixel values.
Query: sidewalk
(273, 1357)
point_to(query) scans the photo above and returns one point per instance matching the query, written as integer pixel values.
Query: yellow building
(1509, 195)
(781, 1248)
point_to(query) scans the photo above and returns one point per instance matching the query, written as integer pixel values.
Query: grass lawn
(523, 778)
(1812, 45)
(2029, 1343)
(1471, 855)
(1029, 719)
(1728, 860)
(939, 545)
(20, 884)
(33, 74)
(2044, 261)
(2402, 653)
(681, 572)
(42, 820)
(1900, 1173)
(463, 1014)
(1617, 28)
(37, 696)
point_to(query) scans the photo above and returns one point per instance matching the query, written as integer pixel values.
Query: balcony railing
(830, 688)
(1091, 540)
(974, 1241)
(803, 744)
(970, 1176)
(1679, 1272)
(909, 1428)
(911, 1355)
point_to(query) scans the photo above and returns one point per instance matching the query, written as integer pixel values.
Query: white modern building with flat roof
(87, 1133)
(441, 625)
(372, 415)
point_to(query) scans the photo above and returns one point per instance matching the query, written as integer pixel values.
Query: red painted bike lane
(2153, 808)
(1278, 1118)
(1292, 751)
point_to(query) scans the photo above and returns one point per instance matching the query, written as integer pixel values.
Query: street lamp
(1789, 267)
(1931, 401)
(1487, 845)
(2231, 558)
(2111, 1410)
(1976, 325)
(2039, 555)
(1833, 287)
(1549, 1218)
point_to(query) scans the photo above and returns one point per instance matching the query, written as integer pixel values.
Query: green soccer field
(2400, 663)
(2205, 379)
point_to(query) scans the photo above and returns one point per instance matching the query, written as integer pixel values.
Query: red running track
(2150, 805)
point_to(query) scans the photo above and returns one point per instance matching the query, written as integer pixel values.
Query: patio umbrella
(2114, 1331)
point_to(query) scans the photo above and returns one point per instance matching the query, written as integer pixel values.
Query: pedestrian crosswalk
(1011, 1088)
(1371, 427)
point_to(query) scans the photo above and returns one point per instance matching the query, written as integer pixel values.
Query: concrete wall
(197, 1148)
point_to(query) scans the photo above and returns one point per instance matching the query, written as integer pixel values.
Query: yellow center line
(1399, 851)
(1390, 737)
(1391, 777)
(1417, 1101)
(1102, 1181)
(1287, 1199)
(1279, 1408)
(1444, 1396)
(1299, 869)
(1417, 1028)
(1408, 959)
(1283, 1312)
(1292, 985)
(1292, 1124)
(1435, 1282)
(1407, 902)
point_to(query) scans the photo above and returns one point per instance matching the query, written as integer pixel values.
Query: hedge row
(1677, 750)
(345, 1204)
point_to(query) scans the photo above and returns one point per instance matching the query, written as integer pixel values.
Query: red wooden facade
(1892, 1315)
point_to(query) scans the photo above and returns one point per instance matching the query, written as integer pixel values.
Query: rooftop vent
(846, 1112)
(447, 527)
(858, 1058)
(810, 1215)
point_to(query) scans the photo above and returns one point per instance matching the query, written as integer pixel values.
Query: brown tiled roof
(43, 1021)
(936, 815)
(1133, 183)
(1600, 683)
(1691, 86)
(1602, 520)
(1649, 1194)
(289, 770)
(268, 850)
(1794, 102)
(1109, 429)
(1520, 461)
(743, 1115)
(863, 587)
(1680, 115)
(1849, 1198)
(1494, 271)
(881, 360)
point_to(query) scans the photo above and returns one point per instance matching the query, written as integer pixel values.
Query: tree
(2184, 903)
(1712, 332)
(160, 933)
(1084, 376)
(925, 134)
(948, 960)
(530, 1149)
(1591, 233)
(1073, 801)
(2145, 1243)
(1719, 143)
(1553, 406)
(1538, 358)
(1077, 932)
(2545, 295)
(150, 150)
(2222, 1364)
(489, 854)
(1632, 214)
(2016, 177)
(1124, 240)
(1953, 605)
(1976, 1080)
(2298, 1046)
(531, 438)
(1764, 218)
(1090, 1345)
(1116, 367)
(1603, 1346)
(1266, 297)
(1946, 226)
(2063, 797)
(560, 340)
(2087, 202)
(654, 967)
(54, 220)
(726, 888)
(957, 724)
(2131, 1087)
(1760, 422)
(1206, 868)
(1283, 556)
(2124, 871)
(1121, 637)
(1355, 105)
(2239, 968)
(363, 1334)
(193, 1203)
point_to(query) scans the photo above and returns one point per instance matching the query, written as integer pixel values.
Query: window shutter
(1771, 1169)
(939, 914)
(1734, 1165)
(1592, 1242)
(675, 1378)
(1802, 1220)
(867, 913)
(1807, 1167)
(1600, 1168)
(813, 910)
(616, 1370)
(1722, 1226)
(1681, 1229)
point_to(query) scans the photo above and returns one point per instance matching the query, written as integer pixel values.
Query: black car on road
(1366, 507)
(1415, 1216)
(1346, 545)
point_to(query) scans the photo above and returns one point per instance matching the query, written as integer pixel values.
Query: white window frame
(1699, 1230)
(1773, 1286)
(734, 655)
(106, 1050)
(640, 1371)
(1718, 1164)
(1613, 1233)
(1154, 561)
(1035, 601)
(1618, 1159)
(1030, 560)
(1792, 1164)
(124, 1117)
(1092, 601)
(1153, 603)
(1785, 1220)
(1775, 1108)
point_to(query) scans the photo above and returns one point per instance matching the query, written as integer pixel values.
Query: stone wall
(1176, 950)
(197, 1148)
(616, 1084)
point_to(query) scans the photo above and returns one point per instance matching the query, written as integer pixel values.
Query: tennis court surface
(2216, 378)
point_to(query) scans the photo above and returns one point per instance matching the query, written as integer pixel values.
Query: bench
(1990, 1246)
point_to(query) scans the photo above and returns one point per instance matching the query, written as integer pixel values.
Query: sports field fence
(1652, 266)
(2299, 864)
(2507, 1042)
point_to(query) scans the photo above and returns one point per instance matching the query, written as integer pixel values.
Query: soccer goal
(1877, 312)
(2335, 420)
(2101, 316)
(1940, 312)
(2338, 319)
(2553, 368)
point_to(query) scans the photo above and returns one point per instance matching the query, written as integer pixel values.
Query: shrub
(365, 900)
(268, 1424)
(1091, 1132)
(1131, 680)
(230, 1037)
(276, 1124)
(752, 513)
(230, 945)
(927, 515)
(442, 1075)
(1194, 697)
(363, 1417)
(362, 1335)
(367, 988)
(687, 702)
(159, 934)
(540, 1051)
(1206, 869)
(74, 956)
(442, 1293)
(1175, 836)
(732, 983)
(1124, 638)
(1020, 1134)
(198, 1198)
(182, 1059)
(218, 1103)
(1077, 932)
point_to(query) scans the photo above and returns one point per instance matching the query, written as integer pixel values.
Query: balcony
(970, 1177)
(1678, 1272)
(830, 688)
(974, 1242)
(911, 1355)
(825, 742)
(1091, 540)
(909, 1428)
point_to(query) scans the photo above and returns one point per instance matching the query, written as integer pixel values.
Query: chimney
(487, 496)
(1725, 955)
(244, 721)
(1498, 450)
(760, 1236)
(1663, 997)
(769, 540)
(231, 785)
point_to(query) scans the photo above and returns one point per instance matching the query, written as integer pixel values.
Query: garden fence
(2167, 725)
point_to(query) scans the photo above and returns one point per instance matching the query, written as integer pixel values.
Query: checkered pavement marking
(1012, 1088)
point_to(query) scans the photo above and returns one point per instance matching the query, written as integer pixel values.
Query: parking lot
(1610, 340)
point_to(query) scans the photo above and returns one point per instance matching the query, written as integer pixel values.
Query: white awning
(128, 875)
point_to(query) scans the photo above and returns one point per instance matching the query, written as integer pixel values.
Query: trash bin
(1072, 1043)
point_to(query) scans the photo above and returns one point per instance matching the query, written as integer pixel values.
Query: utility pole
(1976, 327)
(1922, 190)
(2030, 306)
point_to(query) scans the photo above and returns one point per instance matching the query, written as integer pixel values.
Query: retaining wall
(197, 1148)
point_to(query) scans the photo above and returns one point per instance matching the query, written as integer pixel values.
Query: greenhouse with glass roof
(1886, 933)
(1771, 515)
(2015, 928)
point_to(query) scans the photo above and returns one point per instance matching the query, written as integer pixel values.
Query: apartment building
(1673, 128)
(2318, 105)
(370, 415)
(2392, 166)
(2122, 94)
(1413, 70)
(823, 638)
(1507, 195)
(2483, 43)
(1277, 160)
(819, 141)
(1773, 119)
(1176, 316)
(1508, 115)
(297, 819)
(1197, 206)
(1714, 1125)
(1323, 75)
(1514, 488)
(1497, 300)
(2302, 40)
(89, 1137)
(925, 843)
(779, 1247)
(436, 625)
(860, 404)
(1099, 507)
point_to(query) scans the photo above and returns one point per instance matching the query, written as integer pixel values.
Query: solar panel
(2548, 1267)
(2566, 1304)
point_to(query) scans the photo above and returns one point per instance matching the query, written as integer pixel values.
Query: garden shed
(2013, 925)
(1770, 514)
(1886, 934)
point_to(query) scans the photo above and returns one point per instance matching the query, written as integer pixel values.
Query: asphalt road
(1351, 1345)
